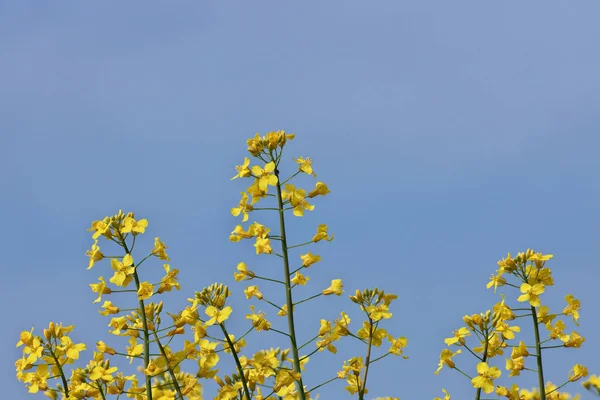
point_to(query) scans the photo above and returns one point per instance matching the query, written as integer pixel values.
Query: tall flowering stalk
(268, 151)
(269, 374)
(530, 277)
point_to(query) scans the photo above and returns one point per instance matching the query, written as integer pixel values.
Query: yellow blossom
(217, 316)
(265, 176)
(335, 288)
(459, 337)
(485, 378)
(123, 271)
(322, 234)
(320, 189)
(572, 308)
(134, 227)
(252, 291)
(145, 291)
(578, 372)
(299, 279)
(446, 359)
(244, 273)
(159, 249)
(531, 293)
(309, 259)
(109, 308)
(95, 254)
(305, 165)
(100, 288)
(242, 208)
(242, 170)
(263, 245)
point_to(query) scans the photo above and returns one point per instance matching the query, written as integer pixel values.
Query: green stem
(322, 384)
(62, 373)
(99, 382)
(237, 361)
(144, 326)
(302, 244)
(361, 393)
(288, 290)
(483, 358)
(169, 368)
(309, 298)
(538, 350)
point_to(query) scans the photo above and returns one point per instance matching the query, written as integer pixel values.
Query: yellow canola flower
(510, 394)
(578, 372)
(109, 308)
(100, 288)
(123, 271)
(263, 246)
(243, 273)
(507, 332)
(397, 345)
(265, 176)
(459, 337)
(252, 291)
(255, 145)
(100, 228)
(300, 279)
(485, 378)
(242, 170)
(572, 308)
(593, 384)
(217, 316)
(378, 312)
(169, 281)
(259, 321)
(335, 288)
(159, 249)
(369, 331)
(446, 397)
(145, 291)
(297, 199)
(103, 348)
(132, 226)
(531, 293)
(243, 207)
(320, 189)
(71, 349)
(515, 365)
(305, 165)
(495, 281)
(322, 234)
(309, 259)
(574, 340)
(95, 254)
(446, 359)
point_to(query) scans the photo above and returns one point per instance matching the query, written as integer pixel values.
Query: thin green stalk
(169, 368)
(361, 393)
(309, 298)
(538, 350)
(484, 357)
(288, 291)
(62, 373)
(237, 361)
(144, 326)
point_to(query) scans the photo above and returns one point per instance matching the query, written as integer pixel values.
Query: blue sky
(449, 133)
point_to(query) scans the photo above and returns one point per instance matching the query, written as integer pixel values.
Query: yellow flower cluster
(494, 331)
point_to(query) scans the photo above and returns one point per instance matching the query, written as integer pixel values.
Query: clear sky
(449, 133)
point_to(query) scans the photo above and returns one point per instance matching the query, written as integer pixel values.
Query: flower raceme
(268, 150)
(149, 333)
(530, 278)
